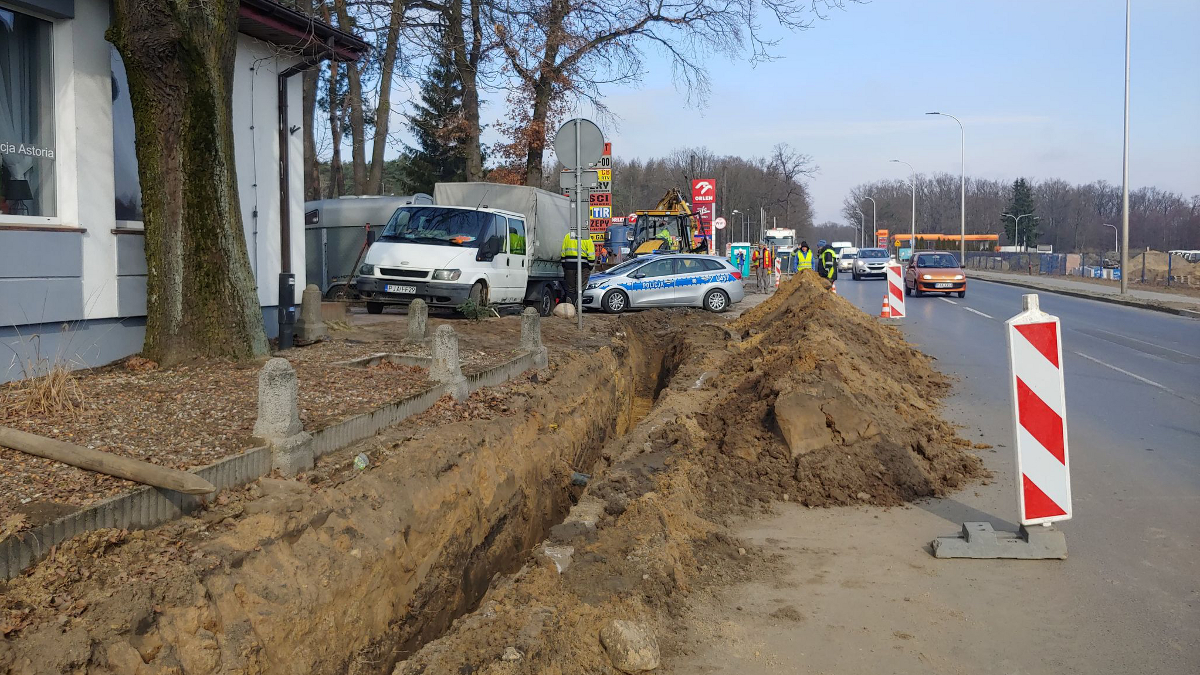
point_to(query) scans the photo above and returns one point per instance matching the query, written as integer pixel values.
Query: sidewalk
(1163, 302)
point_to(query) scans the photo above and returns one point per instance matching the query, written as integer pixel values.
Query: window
(516, 236)
(689, 266)
(712, 265)
(125, 164)
(27, 182)
(659, 268)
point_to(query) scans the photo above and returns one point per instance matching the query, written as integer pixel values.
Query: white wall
(256, 153)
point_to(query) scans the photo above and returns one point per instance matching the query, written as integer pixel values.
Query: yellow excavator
(668, 227)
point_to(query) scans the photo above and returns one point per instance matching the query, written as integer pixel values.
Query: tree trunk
(466, 61)
(536, 133)
(383, 111)
(200, 292)
(337, 183)
(312, 172)
(358, 153)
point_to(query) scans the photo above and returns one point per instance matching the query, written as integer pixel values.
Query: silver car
(870, 262)
(669, 280)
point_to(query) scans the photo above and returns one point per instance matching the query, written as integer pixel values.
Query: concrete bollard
(311, 327)
(278, 421)
(531, 337)
(418, 320)
(445, 367)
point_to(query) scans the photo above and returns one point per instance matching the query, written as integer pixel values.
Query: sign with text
(704, 204)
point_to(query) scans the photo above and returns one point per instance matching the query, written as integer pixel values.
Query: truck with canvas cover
(485, 242)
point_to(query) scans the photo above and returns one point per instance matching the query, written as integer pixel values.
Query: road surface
(868, 595)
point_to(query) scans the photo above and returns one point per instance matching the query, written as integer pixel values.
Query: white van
(494, 244)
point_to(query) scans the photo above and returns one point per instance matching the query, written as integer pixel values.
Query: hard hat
(821, 242)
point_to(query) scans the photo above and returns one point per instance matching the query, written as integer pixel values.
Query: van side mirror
(489, 249)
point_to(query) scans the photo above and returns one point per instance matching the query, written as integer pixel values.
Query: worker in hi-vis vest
(803, 258)
(575, 251)
(827, 261)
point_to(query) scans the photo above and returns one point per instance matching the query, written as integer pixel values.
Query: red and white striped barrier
(895, 291)
(1039, 415)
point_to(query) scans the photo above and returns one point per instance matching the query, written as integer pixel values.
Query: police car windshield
(625, 266)
(872, 253)
(436, 225)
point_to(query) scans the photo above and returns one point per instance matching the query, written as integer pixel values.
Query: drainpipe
(287, 279)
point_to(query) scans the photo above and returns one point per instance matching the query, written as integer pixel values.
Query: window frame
(12, 221)
(520, 225)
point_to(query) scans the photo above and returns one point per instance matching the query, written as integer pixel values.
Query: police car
(667, 280)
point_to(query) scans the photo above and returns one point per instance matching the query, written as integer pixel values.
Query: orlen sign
(704, 199)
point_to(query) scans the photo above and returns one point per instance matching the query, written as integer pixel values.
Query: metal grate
(403, 274)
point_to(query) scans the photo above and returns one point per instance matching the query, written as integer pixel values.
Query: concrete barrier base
(979, 540)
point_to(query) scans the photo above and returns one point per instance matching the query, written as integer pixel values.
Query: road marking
(1138, 377)
(948, 300)
(975, 311)
(1152, 344)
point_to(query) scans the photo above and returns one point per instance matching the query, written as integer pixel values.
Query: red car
(936, 272)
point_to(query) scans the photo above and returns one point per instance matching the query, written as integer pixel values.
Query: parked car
(845, 259)
(870, 262)
(667, 280)
(934, 271)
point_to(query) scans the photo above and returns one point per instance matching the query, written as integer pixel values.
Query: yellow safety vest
(571, 249)
(804, 260)
(829, 259)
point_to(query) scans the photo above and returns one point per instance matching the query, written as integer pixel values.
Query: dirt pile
(827, 405)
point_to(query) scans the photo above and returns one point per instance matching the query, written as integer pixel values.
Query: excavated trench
(352, 576)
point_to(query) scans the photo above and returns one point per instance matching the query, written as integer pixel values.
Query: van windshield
(436, 225)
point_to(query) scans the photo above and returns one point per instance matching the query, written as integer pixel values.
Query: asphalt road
(1129, 595)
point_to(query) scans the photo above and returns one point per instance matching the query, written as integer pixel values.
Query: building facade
(72, 269)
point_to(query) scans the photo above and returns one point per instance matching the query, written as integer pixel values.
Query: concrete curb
(1102, 297)
(149, 507)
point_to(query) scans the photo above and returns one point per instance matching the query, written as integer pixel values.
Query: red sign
(704, 191)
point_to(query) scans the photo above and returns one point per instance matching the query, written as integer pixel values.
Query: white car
(845, 261)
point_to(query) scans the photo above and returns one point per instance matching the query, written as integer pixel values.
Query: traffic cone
(833, 287)
(886, 311)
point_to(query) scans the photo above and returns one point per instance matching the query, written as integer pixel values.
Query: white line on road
(1158, 346)
(986, 316)
(948, 300)
(1137, 377)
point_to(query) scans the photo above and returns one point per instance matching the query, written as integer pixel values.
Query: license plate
(943, 285)
(395, 288)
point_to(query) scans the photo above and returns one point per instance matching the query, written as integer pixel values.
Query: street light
(1125, 168)
(862, 225)
(874, 224)
(743, 224)
(1116, 246)
(912, 244)
(1017, 227)
(962, 242)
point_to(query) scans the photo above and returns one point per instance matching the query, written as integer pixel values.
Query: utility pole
(912, 244)
(874, 223)
(962, 242)
(1125, 167)
(862, 225)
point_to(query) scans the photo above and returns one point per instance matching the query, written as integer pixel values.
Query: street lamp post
(874, 224)
(912, 244)
(735, 211)
(1116, 246)
(862, 225)
(962, 242)
(1017, 226)
(1125, 168)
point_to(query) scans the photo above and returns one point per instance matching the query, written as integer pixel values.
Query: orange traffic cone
(886, 311)
(833, 287)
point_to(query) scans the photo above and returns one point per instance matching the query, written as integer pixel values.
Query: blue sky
(1038, 85)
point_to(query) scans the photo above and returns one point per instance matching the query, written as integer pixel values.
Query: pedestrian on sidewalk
(574, 252)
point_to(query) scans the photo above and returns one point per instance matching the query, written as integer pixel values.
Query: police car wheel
(615, 302)
(716, 300)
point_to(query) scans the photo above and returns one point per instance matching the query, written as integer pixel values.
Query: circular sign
(631, 218)
(590, 143)
(719, 223)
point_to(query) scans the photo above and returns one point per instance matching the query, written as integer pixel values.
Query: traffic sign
(631, 218)
(590, 143)
(719, 223)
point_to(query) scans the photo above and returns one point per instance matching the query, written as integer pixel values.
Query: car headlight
(592, 287)
(958, 277)
(367, 270)
(447, 275)
(927, 277)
